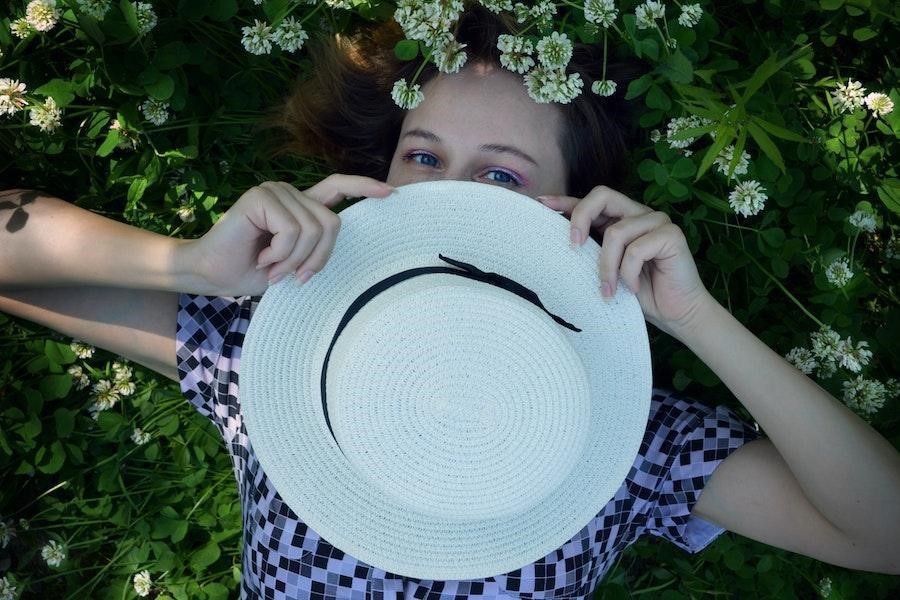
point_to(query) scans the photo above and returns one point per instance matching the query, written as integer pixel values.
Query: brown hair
(345, 115)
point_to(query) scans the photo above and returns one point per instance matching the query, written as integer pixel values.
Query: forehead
(484, 104)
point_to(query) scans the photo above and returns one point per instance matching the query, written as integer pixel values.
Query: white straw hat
(469, 426)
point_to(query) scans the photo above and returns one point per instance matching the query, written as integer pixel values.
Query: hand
(644, 249)
(277, 226)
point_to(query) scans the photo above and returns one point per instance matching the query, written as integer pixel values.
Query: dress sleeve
(689, 441)
(208, 337)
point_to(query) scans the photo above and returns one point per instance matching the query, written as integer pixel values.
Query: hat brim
(503, 232)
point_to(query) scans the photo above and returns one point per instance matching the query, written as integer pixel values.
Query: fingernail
(258, 267)
(605, 290)
(276, 279)
(576, 236)
(306, 275)
(544, 198)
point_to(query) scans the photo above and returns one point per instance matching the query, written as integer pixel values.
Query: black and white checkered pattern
(283, 558)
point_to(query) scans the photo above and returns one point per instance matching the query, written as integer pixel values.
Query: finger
(330, 226)
(617, 237)
(661, 243)
(269, 215)
(607, 202)
(336, 187)
(565, 204)
(310, 229)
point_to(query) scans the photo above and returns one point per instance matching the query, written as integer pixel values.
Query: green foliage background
(170, 506)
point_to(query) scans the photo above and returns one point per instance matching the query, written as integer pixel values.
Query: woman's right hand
(274, 225)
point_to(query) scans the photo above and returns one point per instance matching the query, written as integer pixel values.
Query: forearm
(846, 469)
(45, 241)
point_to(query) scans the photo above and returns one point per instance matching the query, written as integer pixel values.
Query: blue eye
(413, 155)
(505, 177)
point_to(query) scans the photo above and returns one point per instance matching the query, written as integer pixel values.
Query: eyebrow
(497, 148)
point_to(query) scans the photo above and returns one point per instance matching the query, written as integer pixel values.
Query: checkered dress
(284, 558)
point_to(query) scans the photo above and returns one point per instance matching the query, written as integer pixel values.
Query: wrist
(704, 312)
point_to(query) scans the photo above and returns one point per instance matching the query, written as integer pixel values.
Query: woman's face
(479, 124)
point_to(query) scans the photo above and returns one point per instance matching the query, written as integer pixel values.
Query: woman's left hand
(644, 249)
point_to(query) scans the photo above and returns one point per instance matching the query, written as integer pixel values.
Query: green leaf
(765, 144)
(889, 192)
(683, 168)
(136, 189)
(62, 91)
(638, 86)
(778, 131)
(676, 67)
(205, 556)
(56, 460)
(774, 237)
(215, 591)
(657, 98)
(61, 354)
(162, 88)
(222, 10)
(130, 16)
(109, 144)
(831, 4)
(406, 49)
(185, 152)
(89, 25)
(713, 202)
(54, 387)
(767, 69)
(171, 56)
(723, 138)
(864, 33)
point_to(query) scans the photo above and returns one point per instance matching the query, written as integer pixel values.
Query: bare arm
(136, 324)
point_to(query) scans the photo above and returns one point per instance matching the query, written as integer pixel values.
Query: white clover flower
(406, 97)
(495, 6)
(155, 111)
(12, 96)
(648, 12)
(81, 349)
(600, 12)
(542, 11)
(879, 104)
(723, 160)
(850, 96)
(146, 18)
(552, 85)
(865, 396)
(428, 20)
(125, 388)
(142, 583)
(555, 50)
(106, 396)
(7, 590)
(21, 28)
(521, 11)
(46, 116)
(186, 214)
(450, 57)
(604, 87)
(121, 371)
(24, 525)
(825, 343)
(94, 8)
(802, 359)
(655, 135)
(289, 35)
(825, 587)
(515, 53)
(678, 124)
(54, 553)
(42, 15)
(140, 437)
(838, 272)
(80, 379)
(747, 198)
(690, 15)
(853, 358)
(862, 220)
(258, 38)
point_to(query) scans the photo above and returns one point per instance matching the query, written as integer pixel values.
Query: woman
(832, 497)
